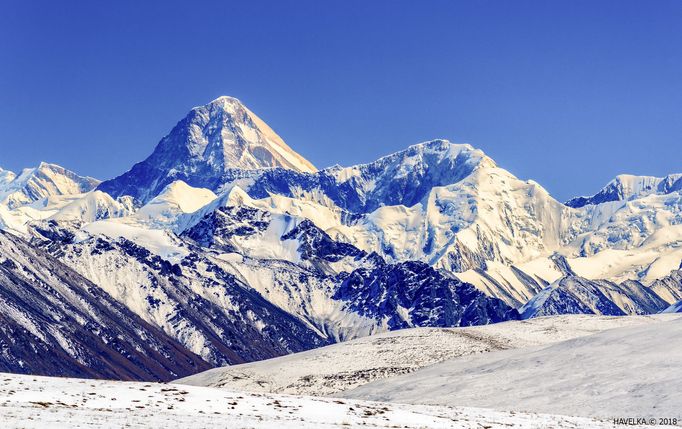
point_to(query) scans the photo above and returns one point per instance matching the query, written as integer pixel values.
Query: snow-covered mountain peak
(224, 103)
(236, 197)
(170, 207)
(202, 148)
(247, 142)
(627, 187)
(94, 206)
(46, 180)
(222, 100)
(431, 151)
(406, 177)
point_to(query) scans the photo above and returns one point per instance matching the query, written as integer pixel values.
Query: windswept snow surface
(29, 402)
(332, 369)
(632, 371)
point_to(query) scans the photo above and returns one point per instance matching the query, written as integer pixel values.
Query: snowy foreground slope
(627, 372)
(29, 402)
(339, 367)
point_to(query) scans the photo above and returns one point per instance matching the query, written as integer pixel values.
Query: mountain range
(226, 246)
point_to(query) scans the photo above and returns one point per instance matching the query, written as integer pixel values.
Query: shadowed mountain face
(397, 296)
(208, 310)
(55, 322)
(413, 294)
(576, 295)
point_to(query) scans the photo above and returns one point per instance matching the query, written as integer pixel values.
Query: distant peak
(628, 186)
(40, 182)
(181, 195)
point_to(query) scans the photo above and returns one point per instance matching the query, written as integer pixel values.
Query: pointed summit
(243, 139)
(210, 141)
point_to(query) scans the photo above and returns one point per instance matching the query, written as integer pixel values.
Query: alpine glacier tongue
(210, 141)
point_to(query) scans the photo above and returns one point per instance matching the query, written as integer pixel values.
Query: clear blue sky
(568, 93)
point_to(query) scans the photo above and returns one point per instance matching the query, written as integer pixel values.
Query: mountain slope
(669, 287)
(344, 366)
(55, 322)
(6, 177)
(630, 371)
(445, 204)
(297, 265)
(675, 308)
(409, 294)
(203, 147)
(577, 295)
(94, 206)
(207, 309)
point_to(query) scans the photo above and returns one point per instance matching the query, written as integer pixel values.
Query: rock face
(669, 287)
(206, 309)
(203, 147)
(413, 294)
(55, 322)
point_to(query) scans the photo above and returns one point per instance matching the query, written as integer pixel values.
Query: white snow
(332, 369)
(91, 207)
(243, 141)
(632, 371)
(30, 402)
(166, 210)
(40, 182)
(159, 241)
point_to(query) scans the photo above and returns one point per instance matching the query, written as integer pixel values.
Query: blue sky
(567, 93)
